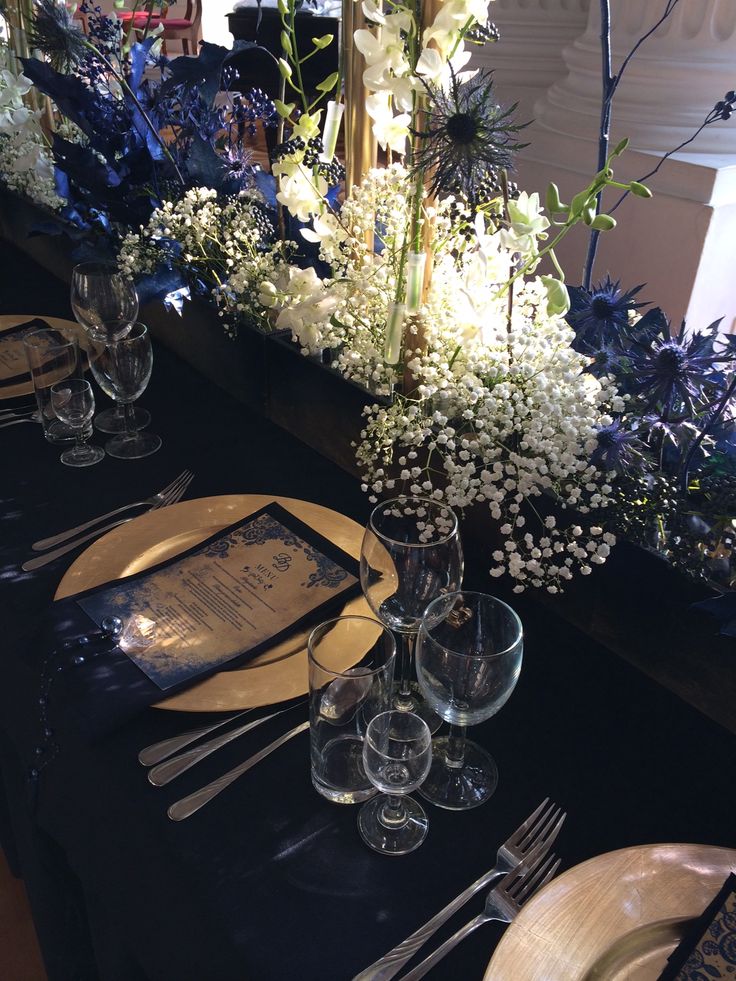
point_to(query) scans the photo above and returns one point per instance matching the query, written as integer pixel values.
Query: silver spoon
(157, 752)
(343, 697)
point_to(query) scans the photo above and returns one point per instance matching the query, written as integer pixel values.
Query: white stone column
(680, 243)
(528, 58)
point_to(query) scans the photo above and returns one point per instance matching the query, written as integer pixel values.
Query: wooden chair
(185, 29)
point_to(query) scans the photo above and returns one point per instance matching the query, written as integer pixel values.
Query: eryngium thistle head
(467, 136)
(55, 33)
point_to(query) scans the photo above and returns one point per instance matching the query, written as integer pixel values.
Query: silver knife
(15, 422)
(187, 806)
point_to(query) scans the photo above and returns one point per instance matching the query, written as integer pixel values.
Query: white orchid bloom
(390, 131)
(527, 224)
(300, 192)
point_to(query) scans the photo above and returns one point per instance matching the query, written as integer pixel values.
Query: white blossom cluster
(224, 243)
(500, 411)
(26, 165)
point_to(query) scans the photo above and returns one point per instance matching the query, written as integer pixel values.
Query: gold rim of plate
(277, 674)
(7, 321)
(616, 917)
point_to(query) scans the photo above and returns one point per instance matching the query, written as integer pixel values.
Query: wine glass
(73, 402)
(469, 654)
(122, 369)
(411, 554)
(105, 303)
(397, 753)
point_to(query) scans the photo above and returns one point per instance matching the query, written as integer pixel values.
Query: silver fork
(170, 498)
(503, 903)
(152, 502)
(531, 841)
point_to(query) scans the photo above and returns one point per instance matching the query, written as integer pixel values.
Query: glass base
(416, 703)
(82, 456)
(132, 446)
(338, 773)
(458, 788)
(112, 420)
(399, 839)
(57, 432)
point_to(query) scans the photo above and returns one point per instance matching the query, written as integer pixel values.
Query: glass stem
(129, 419)
(455, 757)
(404, 699)
(119, 411)
(393, 813)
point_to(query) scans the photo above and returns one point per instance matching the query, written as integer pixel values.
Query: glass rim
(78, 383)
(69, 339)
(470, 592)
(425, 733)
(420, 500)
(130, 336)
(101, 264)
(350, 616)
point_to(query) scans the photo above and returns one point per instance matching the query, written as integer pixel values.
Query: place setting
(291, 618)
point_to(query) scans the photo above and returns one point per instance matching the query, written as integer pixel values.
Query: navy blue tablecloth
(270, 882)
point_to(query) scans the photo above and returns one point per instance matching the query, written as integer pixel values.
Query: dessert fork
(156, 499)
(503, 903)
(530, 842)
(172, 497)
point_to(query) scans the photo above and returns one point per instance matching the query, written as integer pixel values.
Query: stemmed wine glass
(122, 369)
(73, 402)
(397, 752)
(469, 654)
(411, 554)
(105, 303)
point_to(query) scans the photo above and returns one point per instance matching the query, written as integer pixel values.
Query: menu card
(13, 362)
(236, 594)
(709, 949)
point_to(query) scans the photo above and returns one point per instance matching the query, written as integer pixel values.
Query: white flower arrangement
(228, 244)
(26, 165)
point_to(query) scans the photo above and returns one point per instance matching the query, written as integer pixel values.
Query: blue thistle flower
(601, 316)
(467, 138)
(55, 33)
(672, 372)
(618, 449)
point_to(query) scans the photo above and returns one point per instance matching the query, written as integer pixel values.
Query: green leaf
(284, 109)
(286, 43)
(640, 190)
(323, 42)
(603, 223)
(284, 68)
(119, 4)
(329, 83)
(283, 7)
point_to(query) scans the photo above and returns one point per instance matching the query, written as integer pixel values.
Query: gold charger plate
(275, 675)
(10, 320)
(616, 917)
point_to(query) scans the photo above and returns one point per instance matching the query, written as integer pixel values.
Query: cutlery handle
(14, 422)
(41, 560)
(429, 962)
(164, 773)
(392, 962)
(64, 536)
(187, 806)
(157, 752)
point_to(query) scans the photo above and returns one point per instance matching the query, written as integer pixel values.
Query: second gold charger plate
(616, 917)
(7, 321)
(275, 675)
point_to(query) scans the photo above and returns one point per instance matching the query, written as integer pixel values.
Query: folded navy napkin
(709, 949)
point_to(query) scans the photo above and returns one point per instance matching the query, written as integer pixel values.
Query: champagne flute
(122, 369)
(105, 303)
(397, 752)
(469, 654)
(411, 554)
(73, 402)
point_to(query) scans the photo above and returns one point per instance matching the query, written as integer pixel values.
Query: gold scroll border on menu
(274, 676)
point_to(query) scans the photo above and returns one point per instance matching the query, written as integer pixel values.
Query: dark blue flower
(618, 449)
(601, 316)
(676, 373)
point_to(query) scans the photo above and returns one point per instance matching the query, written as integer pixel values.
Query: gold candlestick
(361, 149)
